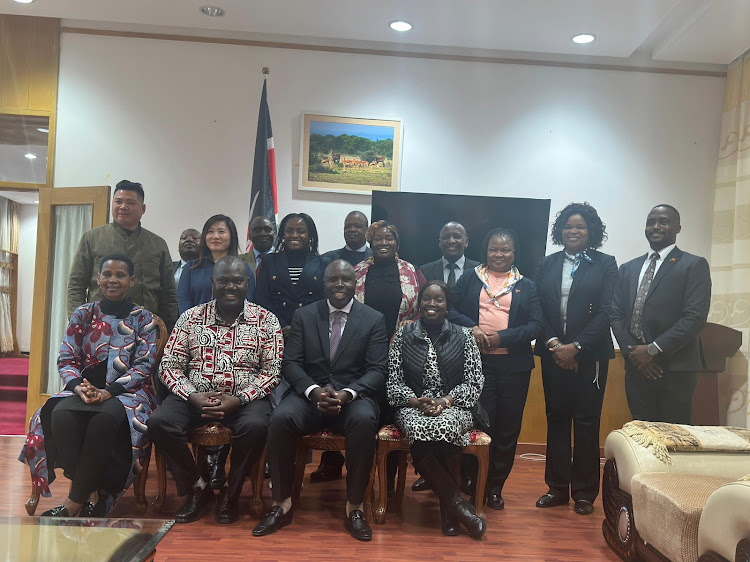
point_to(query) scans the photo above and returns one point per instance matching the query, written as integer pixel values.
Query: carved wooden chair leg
(299, 471)
(384, 447)
(161, 474)
(139, 485)
(33, 500)
(483, 457)
(401, 481)
(259, 472)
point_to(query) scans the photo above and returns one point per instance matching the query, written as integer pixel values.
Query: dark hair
(127, 185)
(118, 257)
(364, 216)
(312, 232)
(675, 211)
(377, 225)
(499, 233)
(234, 242)
(444, 286)
(597, 229)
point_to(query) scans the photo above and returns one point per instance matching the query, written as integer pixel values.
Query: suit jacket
(176, 265)
(674, 312)
(345, 254)
(525, 322)
(434, 269)
(587, 317)
(361, 361)
(274, 290)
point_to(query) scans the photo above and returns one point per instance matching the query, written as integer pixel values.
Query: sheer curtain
(70, 222)
(730, 250)
(9, 230)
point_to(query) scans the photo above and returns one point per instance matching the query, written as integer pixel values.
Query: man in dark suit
(453, 242)
(188, 248)
(335, 360)
(261, 233)
(356, 249)
(660, 305)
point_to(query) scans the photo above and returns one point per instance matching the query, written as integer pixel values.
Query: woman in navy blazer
(575, 288)
(292, 276)
(502, 308)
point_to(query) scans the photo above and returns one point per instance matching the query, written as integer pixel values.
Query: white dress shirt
(331, 309)
(178, 273)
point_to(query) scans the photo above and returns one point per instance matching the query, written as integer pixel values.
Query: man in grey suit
(453, 242)
(660, 305)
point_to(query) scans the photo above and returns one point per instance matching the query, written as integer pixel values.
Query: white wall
(181, 118)
(27, 218)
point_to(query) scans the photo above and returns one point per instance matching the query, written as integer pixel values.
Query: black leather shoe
(584, 507)
(474, 525)
(59, 511)
(88, 510)
(227, 509)
(449, 523)
(218, 475)
(420, 485)
(551, 500)
(325, 473)
(195, 505)
(495, 500)
(358, 526)
(467, 485)
(272, 521)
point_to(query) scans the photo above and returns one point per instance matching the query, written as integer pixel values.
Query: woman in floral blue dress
(95, 429)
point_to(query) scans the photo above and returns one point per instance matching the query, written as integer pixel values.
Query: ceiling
(22, 130)
(697, 34)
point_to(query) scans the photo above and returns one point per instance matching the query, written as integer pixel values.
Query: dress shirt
(360, 250)
(206, 354)
(331, 309)
(567, 282)
(459, 272)
(663, 253)
(178, 273)
(259, 255)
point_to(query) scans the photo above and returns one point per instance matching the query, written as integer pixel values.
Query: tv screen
(420, 216)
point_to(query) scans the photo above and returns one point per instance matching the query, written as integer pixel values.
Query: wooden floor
(520, 532)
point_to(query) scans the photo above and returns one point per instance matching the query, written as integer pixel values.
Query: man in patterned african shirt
(221, 362)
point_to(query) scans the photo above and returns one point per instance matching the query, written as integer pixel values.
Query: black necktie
(451, 274)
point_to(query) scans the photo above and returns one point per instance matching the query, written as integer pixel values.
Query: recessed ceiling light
(583, 38)
(43, 130)
(212, 11)
(30, 156)
(400, 25)
(24, 1)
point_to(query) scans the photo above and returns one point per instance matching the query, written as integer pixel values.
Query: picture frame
(349, 154)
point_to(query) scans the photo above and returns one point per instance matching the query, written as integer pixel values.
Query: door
(64, 215)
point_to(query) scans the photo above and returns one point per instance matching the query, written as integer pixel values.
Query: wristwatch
(652, 349)
(578, 345)
(243, 399)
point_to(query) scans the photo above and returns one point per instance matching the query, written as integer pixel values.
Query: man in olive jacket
(154, 286)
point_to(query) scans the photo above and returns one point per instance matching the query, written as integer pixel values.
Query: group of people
(284, 341)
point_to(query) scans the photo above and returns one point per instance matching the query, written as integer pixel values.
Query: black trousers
(296, 416)
(504, 398)
(170, 423)
(572, 397)
(668, 399)
(91, 451)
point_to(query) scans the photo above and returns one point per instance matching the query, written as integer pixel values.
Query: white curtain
(730, 249)
(70, 222)
(9, 230)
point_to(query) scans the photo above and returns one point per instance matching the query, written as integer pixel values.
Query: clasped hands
(485, 341)
(644, 361)
(430, 406)
(91, 394)
(329, 400)
(214, 405)
(564, 355)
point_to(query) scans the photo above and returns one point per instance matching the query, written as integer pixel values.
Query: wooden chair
(326, 441)
(139, 484)
(390, 438)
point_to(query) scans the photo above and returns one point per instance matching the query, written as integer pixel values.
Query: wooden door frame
(99, 198)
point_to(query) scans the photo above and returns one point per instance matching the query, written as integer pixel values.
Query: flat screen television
(420, 216)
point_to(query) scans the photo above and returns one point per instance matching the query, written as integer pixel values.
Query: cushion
(477, 437)
(390, 433)
(725, 519)
(667, 509)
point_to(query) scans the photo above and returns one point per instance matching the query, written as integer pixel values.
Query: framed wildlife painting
(349, 155)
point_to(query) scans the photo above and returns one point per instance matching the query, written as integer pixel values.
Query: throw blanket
(666, 437)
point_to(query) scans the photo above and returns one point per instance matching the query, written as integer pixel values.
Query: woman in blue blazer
(575, 288)
(502, 308)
